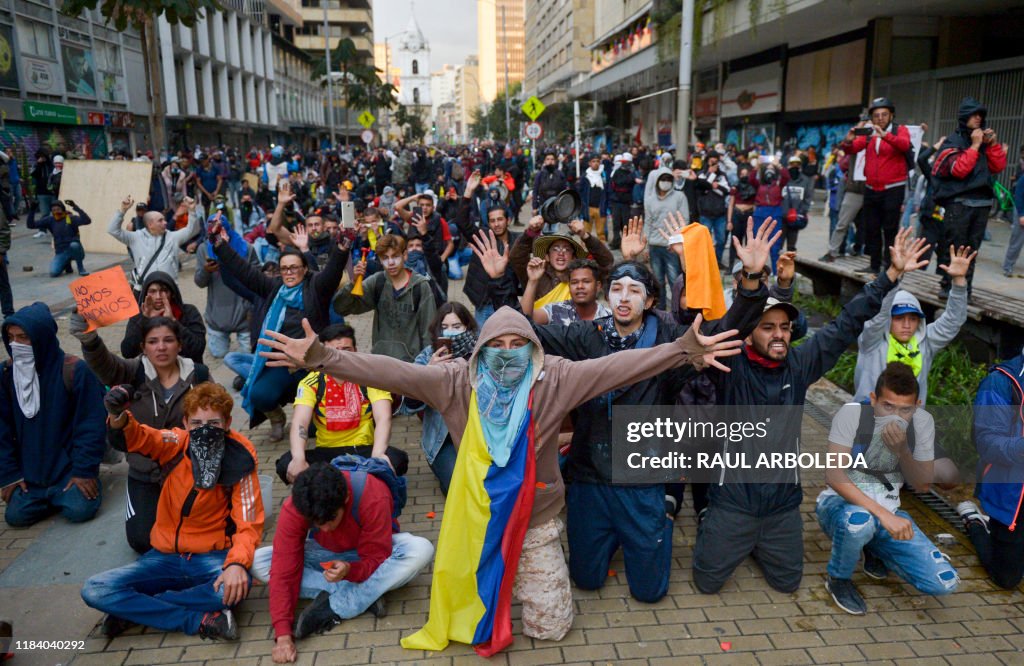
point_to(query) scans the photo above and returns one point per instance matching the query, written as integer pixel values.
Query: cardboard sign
(98, 187)
(104, 298)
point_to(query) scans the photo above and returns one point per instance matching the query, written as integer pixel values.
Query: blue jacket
(999, 438)
(1018, 196)
(435, 431)
(65, 231)
(68, 435)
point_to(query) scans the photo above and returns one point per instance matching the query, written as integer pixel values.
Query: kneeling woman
(161, 377)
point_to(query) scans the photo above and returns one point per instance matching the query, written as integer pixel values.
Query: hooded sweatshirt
(972, 170)
(67, 435)
(656, 209)
(874, 340)
(193, 331)
(559, 385)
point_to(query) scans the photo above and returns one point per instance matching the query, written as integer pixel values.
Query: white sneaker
(39, 234)
(969, 511)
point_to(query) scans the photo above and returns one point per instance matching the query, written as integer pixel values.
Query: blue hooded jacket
(999, 438)
(68, 433)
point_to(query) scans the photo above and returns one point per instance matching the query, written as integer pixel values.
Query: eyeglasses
(561, 249)
(291, 269)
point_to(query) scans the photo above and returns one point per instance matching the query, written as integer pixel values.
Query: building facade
(557, 36)
(467, 97)
(442, 89)
(501, 41)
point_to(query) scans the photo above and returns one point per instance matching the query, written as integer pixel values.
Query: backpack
(862, 441)
(67, 372)
(910, 155)
(622, 181)
(942, 167)
(358, 467)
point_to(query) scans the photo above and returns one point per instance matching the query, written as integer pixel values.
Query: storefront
(751, 103)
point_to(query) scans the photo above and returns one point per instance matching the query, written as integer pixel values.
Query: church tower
(412, 55)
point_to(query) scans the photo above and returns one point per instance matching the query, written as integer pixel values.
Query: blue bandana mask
(503, 396)
(506, 367)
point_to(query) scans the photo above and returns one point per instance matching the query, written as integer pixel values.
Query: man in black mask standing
(212, 483)
(548, 182)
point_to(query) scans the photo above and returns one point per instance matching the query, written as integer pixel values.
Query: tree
(142, 15)
(361, 84)
(412, 123)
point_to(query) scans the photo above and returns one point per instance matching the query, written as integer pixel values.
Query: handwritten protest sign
(104, 298)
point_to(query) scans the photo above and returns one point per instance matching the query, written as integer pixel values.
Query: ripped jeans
(852, 528)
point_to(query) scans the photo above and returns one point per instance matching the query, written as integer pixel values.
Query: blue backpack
(358, 467)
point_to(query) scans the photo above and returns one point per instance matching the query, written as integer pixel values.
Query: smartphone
(348, 215)
(863, 131)
(443, 342)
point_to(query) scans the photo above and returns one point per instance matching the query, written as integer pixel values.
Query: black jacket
(475, 286)
(193, 330)
(977, 185)
(753, 384)
(590, 458)
(317, 289)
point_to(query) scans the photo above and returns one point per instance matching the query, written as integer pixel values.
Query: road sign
(533, 131)
(366, 119)
(367, 136)
(533, 107)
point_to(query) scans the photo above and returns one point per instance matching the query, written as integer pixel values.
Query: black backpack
(622, 181)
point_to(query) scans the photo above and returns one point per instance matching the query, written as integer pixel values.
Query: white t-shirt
(565, 314)
(878, 455)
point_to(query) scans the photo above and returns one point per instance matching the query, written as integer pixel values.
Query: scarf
(641, 338)
(26, 379)
(206, 445)
(343, 404)
(558, 293)
(502, 396)
(462, 344)
(595, 178)
(762, 361)
(908, 354)
(286, 297)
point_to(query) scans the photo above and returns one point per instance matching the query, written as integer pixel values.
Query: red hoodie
(370, 538)
(885, 163)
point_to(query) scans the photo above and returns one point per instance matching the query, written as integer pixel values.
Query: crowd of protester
(514, 389)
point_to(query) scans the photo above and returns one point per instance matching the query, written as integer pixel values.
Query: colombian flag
(485, 520)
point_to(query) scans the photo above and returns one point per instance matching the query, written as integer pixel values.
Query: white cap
(58, 159)
(627, 157)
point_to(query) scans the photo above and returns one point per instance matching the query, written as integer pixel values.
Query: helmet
(882, 103)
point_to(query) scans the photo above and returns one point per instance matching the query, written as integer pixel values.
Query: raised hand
(300, 237)
(633, 239)
(577, 228)
(673, 227)
(117, 399)
(284, 193)
(535, 268)
(420, 224)
(959, 261)
(905, 253)
(472, 183)
(535, 224)
(485, 247)
(785, 268)
(126, 204)
(717, 346)
(288, 352)
(755, 252)
(79, 326)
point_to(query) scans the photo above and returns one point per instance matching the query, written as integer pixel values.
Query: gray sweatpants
(725, 538)
(848, 210)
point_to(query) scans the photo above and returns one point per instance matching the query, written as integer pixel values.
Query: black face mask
(550, 168)
(744, 179)
(206, 449)
(794, 172)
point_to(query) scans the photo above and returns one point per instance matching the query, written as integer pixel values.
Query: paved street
(41, 570)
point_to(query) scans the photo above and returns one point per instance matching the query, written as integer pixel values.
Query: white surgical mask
(665, 185)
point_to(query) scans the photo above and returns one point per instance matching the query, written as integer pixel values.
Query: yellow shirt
(360, 435)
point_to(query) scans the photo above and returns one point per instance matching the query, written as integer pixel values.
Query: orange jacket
(202, 528)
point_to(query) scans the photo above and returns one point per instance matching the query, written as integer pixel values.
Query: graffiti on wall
(820, 135)
(22, 141)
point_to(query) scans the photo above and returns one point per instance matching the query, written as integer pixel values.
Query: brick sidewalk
(978, 625)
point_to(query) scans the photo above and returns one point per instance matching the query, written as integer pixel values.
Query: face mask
(744, 179)
(26, 379)
(665, 185)
(507, 367)
(206, 448)
(550, 168)
(794, 172)
(463, 343)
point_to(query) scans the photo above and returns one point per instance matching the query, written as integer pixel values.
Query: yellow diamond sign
(533, 107)
(366, 119)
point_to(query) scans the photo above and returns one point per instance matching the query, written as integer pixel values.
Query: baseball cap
(905, 303)
(774, 303)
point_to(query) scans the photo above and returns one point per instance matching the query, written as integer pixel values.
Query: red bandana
(762, 361)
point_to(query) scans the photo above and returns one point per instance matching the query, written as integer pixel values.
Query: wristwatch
(752, 276)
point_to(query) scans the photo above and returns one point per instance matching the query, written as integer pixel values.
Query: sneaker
(378, 608)
(114, 626)
(238, 383)
(874, 566)
(277, 423)
(317, 617)
(83, 272)
(969, 512)
(219, 626)
(39, 234)
(846, 596)
(827, 258)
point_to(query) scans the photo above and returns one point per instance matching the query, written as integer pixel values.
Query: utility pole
(327, 69)
(508, 118)
(682, 138)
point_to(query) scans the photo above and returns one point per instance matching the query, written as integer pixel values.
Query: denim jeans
(28, 508)
(273, 388)
(483, 313)
(1015, 245)
(665, 266)
(166, 591)
(62, 260)
(916, 561)
(716, 225)
(409, 555)
(762, 213)
(422, 187)
(239, 362)
(219, 342)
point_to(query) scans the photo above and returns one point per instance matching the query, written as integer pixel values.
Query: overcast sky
(448, 25)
